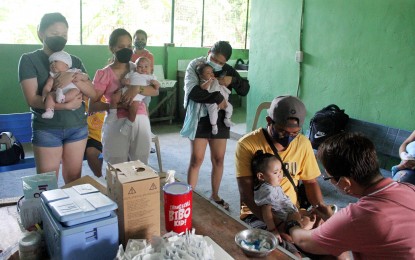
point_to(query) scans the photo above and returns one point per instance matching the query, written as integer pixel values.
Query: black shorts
(204, 128)
(94, 143)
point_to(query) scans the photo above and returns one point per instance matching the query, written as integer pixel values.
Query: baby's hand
(155, 84)
(205, 85)
(63, 79)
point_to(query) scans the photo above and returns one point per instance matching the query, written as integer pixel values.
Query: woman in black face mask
(117, 147)
(62, 138)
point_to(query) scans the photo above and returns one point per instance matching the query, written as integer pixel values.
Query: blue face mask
(215, 66)
(284, 141)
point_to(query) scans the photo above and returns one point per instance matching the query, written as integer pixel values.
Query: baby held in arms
(140, 77)
(210, 83)
(60, 62)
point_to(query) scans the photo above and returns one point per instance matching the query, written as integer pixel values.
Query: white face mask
(215, 66)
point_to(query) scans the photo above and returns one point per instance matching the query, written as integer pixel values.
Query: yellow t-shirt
(95, 122)
(298, 158)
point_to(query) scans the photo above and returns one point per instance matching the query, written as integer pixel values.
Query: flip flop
(222, 203)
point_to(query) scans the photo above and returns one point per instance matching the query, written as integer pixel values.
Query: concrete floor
(175, 153)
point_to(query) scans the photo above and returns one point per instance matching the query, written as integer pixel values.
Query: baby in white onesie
(211, 84)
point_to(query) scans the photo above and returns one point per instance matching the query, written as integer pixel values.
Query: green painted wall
(94, 57)
(358, 54)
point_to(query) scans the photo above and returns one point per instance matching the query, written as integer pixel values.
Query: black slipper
(222, 203)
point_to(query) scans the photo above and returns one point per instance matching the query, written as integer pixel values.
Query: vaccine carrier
(79, 223)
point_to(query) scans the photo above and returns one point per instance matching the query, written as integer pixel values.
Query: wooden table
(209, 220)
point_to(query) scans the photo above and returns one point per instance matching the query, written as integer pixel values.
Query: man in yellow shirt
(284, 121)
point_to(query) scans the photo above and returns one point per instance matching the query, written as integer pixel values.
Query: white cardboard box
(135, 187)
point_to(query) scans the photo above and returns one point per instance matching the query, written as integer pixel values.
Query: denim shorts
(59, 137)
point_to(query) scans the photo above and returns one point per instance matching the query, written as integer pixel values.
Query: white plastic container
(79, 223)
(29, 246)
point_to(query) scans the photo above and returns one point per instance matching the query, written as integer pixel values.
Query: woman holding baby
(117, 147)
(57, 140)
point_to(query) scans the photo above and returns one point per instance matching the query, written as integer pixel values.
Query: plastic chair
(155, 139)
(262, 106)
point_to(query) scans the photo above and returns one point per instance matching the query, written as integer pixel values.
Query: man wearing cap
(284, 121)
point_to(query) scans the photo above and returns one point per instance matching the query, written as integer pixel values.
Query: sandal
(222, 203)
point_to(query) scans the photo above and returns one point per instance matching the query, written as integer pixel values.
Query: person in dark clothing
(197, 125)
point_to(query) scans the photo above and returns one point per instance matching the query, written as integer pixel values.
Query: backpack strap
(20, 147)
(274, 149)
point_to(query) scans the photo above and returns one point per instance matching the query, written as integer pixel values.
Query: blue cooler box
(79, 223)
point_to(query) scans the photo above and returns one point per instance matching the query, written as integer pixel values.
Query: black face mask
(284, 141)
(124, 55)
(55, 43)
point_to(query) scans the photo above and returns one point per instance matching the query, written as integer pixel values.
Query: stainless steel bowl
(254, 235)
